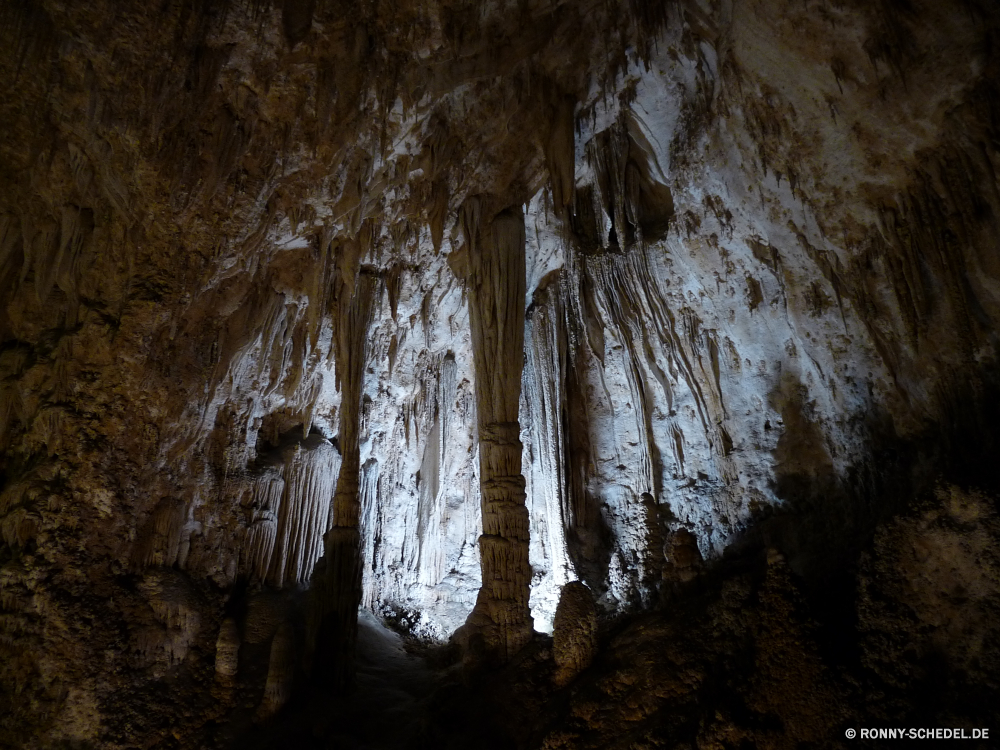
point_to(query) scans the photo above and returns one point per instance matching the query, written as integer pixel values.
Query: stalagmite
(227, 651)
(280, 673)
(337, 592)
(574, 637)
(496, 313)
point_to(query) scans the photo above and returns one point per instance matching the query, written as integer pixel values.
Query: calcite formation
(496, 314)
(742, 662)
(574, 633)
(280, 673)
(928, 593)
(227, 651)
(683, 559)
(438, 307)
(338, 588)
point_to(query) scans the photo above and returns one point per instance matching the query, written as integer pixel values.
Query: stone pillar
(496, 313)
(337, 588)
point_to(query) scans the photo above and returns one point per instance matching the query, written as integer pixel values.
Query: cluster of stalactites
(288, 508)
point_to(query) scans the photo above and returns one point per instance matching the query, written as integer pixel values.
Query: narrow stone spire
(338, 586)
(496, 312)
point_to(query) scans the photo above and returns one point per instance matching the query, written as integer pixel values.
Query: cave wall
(760, 246)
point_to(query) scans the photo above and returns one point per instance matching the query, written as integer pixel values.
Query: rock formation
(227, 651)
(280, 673)
(434, 308)
(337, 592)
(574, 633)
(496, 314)
(928, 591)
(683, 559)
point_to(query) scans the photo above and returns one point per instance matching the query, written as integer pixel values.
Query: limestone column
(338, 586)
(496, 277)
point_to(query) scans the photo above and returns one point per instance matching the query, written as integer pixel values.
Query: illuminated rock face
(759, 298)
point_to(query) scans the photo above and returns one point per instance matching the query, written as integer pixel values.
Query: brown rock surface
(574, 635)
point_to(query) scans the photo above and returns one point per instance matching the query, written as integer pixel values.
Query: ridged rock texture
(439, 307)
(496, 316)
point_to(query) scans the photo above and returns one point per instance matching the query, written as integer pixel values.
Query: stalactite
(160, 542)
(496, 314)
(544, 406)
(337, 593)
(263, 503)
(559, 152)
(370, 537)
(166, 640)
(420, 556)
(18, 527)
(427, 513)
(309, 471)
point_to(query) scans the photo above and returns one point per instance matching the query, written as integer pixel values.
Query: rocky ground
(743, 655)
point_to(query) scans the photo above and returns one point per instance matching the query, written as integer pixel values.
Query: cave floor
(391, 689)
(385, 710)
(743, 656)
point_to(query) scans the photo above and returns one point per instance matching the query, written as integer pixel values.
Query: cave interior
(514, 374)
